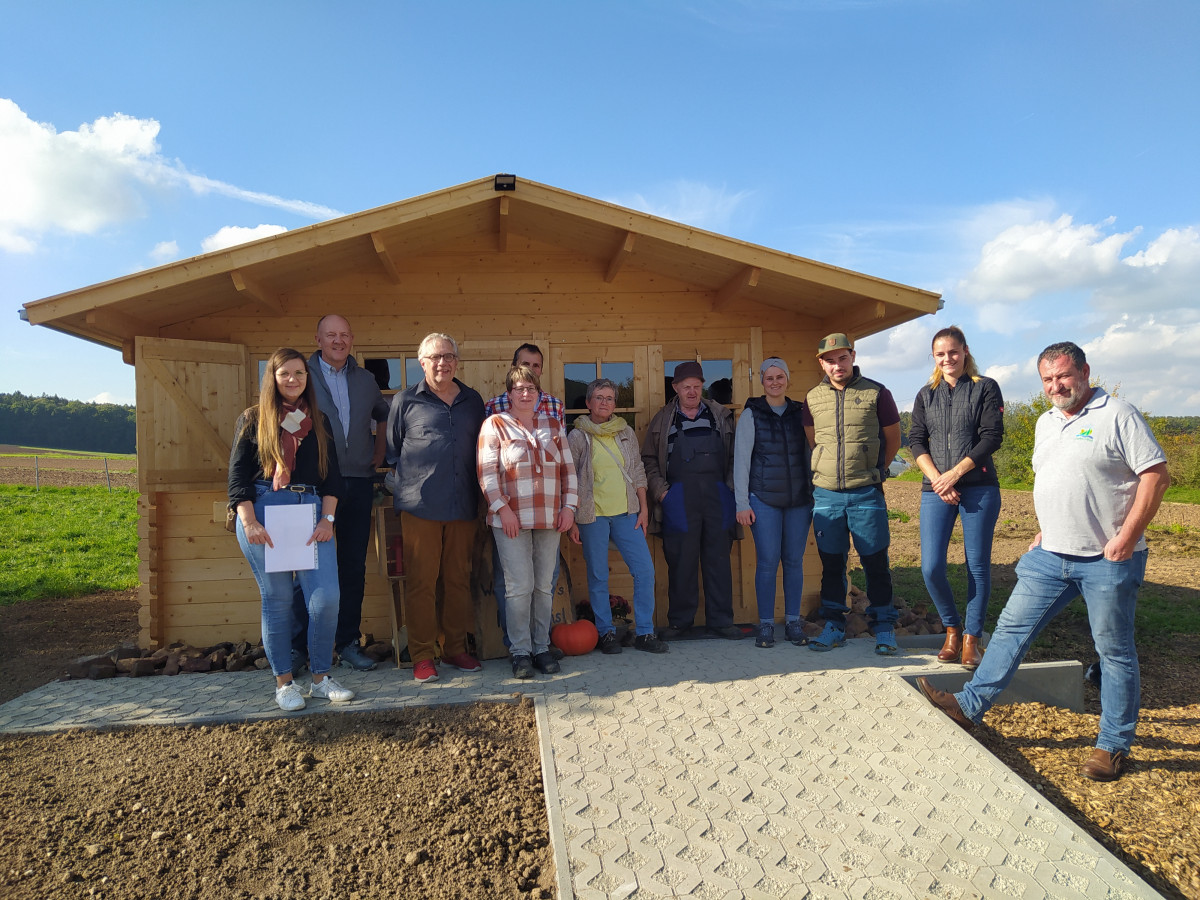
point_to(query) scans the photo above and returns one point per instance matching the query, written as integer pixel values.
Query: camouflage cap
(835, 341)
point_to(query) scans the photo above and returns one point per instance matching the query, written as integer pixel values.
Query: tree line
(67, 424)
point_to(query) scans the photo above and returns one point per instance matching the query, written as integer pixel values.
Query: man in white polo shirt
(1099, 478)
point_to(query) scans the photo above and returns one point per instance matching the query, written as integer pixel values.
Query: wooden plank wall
(491, 301)
(205, 589)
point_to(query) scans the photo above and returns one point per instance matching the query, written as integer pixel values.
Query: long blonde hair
(265, 417)
(955, 334)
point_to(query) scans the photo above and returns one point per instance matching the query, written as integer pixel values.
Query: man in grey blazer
(350, 396)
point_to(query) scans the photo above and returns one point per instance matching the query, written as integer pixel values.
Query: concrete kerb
(558, 837)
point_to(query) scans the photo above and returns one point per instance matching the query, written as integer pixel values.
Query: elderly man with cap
(688, 457)
(854, 428)
(772, 483)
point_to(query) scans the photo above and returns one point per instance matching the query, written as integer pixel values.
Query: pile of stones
(130, 660)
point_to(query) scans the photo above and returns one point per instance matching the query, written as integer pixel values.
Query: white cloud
(232, 235)
(165, 251)
(82, 181)
(1042, 257)
(690, 202)
(109, 397)
(904, 347)
(1002, 375)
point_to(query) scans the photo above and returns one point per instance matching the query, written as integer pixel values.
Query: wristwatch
(328, 518)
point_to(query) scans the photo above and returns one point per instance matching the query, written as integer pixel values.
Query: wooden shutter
(189, 395)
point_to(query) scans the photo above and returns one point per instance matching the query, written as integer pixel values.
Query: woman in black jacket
(284, 454)
(957, 424)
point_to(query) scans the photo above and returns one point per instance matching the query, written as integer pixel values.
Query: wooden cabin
(603, 290)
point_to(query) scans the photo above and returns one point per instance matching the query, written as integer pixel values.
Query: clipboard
(290, 526)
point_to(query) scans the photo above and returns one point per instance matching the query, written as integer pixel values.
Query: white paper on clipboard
(290, 527)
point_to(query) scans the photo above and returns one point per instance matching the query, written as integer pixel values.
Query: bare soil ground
(1151, 816)
(63, 471)
(447, 802)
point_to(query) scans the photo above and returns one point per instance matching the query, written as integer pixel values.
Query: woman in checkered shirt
(528, 479)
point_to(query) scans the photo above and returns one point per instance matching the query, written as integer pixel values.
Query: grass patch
(1182, 495)
(1009, 484)
(909, 474)
(66, 542)
(898, 515)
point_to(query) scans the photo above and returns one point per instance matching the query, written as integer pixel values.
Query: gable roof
(259, 275)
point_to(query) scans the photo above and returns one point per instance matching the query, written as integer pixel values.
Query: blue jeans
(500, 592)
(529, 561)
(1046, 583)
(837, 517)
(978, 507)
(320, 586)
(780, 534)
(632, 546)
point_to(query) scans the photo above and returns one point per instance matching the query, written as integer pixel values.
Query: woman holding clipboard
(283, 455)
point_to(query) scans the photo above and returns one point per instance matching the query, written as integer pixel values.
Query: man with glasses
(525, 355)
(433, 428)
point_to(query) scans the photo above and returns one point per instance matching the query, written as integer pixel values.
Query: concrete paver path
(716, 771)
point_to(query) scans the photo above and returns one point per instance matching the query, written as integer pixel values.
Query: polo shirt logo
(1085, 434)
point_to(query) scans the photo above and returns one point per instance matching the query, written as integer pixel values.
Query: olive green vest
(848, 437)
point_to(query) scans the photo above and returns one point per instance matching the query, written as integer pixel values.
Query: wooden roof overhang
(258, 276)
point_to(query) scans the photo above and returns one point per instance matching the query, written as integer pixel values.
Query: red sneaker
(464, 662)
(425, 671)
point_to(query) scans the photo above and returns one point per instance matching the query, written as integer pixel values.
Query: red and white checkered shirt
(532, 472)
(547, 404)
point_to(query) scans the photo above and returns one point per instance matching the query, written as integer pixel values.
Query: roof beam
(385, 258)
(252, 290)
(620, 257)
(502, 226)
(119, 324)
(862, 318)
(736, 287)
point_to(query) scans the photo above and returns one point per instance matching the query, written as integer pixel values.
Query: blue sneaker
(794, 632)
(885, 643)
(764, 636)
(833, 636)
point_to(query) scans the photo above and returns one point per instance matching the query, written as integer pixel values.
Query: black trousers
(352, 531)
(704, 547)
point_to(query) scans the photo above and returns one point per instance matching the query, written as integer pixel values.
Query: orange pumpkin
(575, 638)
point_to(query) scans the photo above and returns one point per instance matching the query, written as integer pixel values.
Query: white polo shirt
(1086, 471)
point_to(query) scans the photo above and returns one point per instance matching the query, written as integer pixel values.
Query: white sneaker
(289, 698)
(330, 690)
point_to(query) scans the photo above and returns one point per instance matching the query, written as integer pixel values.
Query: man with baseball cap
(853, 426)
(688, 455)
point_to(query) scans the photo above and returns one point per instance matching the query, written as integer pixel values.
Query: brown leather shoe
(944, 701)
(1103, 766)
(952, 646)
(972, 656)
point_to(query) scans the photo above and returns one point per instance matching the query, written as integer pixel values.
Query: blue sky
(1035, 162)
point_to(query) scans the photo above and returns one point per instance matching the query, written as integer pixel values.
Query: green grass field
(66, 542)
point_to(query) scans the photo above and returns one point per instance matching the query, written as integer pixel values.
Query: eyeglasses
(442, 357)
(523, 389)
(607, 401)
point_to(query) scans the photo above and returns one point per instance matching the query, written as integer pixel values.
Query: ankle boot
(952, 646)
(972, 656)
